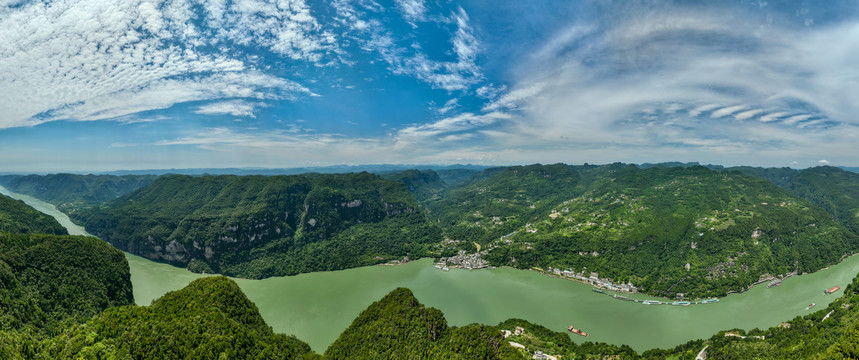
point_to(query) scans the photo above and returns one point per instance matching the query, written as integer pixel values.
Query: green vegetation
(18, 218)
(399, 327)
(70, 191)
(688, 230)
(259, 226)
(802, 338)
(73, 188)
(424, 185)
(539, 338)
(69, 296)
(833, 189)
(50, 281)
(209, 319)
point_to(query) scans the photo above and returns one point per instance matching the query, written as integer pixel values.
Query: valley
(322, 304)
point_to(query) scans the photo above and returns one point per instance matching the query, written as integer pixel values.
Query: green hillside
(424, 185)
(47, 281)
(260, 226)
(399, 327)
(69, 191)
(644, 225)
(833, 189)
(208, 319)
(16, 217)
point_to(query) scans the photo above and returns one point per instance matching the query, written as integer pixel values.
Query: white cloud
(772, 116)
(234, 108)
(823, 162)
(748, 114)
(413, 10)
(797, 118)
(592, 92)
(455, 125)
(448, 106)
(725, 111)
(703, 108)
(491, 91)
(87, 60)
(372, 35)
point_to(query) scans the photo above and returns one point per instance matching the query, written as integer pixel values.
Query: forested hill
(400, 327)
(48, 281)
(424, 185)
(260, 226)
(208, 319)
(16, 217)
(689, 230)
(69, 191)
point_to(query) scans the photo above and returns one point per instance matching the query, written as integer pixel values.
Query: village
(592, 279)
(462, 260)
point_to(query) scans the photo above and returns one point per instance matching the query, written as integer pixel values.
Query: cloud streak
(748, 87)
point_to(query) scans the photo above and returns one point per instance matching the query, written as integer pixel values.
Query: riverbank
(317, 307)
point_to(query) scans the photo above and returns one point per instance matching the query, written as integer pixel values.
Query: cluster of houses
(518, 330)
(463, 260)
(594, 279)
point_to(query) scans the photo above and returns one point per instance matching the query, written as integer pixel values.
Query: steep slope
(16, 217)
(498, 201)
(425, 185)
(669, 231)
(399, 327)
(69, 191)
(833, 189)
(258, 226)
(210, 318)
(48, 281)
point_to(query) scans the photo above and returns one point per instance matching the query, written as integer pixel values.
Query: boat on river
(681, 303)
(651, 302)
(577, 331)
(810, 306)
(710, 301)
(832, 289)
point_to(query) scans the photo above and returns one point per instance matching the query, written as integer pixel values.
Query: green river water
(317, 307)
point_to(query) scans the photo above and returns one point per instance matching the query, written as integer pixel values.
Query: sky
(102, 85)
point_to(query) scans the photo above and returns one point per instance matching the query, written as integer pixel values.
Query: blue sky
(138, 84)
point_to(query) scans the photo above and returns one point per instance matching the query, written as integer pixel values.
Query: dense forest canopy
(16, 217)
(71, 191)
(260, 226)
(668, 229)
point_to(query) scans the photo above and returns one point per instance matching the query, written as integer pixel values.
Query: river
(317, 307)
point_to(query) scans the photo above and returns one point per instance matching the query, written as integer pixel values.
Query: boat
(681, 303)
(832, 289)
(651, 302)
(810, 306)
(445, 269)
(597, 290)
(577, 331)
(775, 282)
(710, 301)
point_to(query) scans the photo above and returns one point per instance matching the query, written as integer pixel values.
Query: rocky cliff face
(228, 220)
